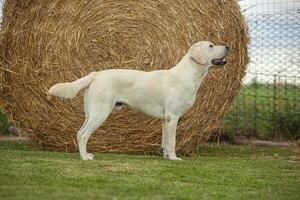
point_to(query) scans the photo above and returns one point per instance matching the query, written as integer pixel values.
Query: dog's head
(208, 54)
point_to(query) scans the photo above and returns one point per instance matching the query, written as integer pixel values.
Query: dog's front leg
(170, 138)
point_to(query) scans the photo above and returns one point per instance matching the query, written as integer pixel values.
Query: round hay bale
(46, 42)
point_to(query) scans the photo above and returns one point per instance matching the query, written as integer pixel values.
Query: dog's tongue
(222, 61)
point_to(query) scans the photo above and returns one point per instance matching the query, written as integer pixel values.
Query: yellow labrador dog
(164, 94)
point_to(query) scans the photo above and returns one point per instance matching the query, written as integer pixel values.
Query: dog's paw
(174, 158)
(87, 156)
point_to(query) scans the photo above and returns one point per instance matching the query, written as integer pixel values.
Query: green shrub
(265, 111)
(286, 125)
(4, 123)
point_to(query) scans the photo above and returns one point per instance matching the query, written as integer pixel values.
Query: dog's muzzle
(221, 61)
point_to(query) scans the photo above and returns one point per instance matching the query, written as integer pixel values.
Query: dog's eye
(211, 46)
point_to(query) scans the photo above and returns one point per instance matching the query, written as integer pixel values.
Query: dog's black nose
(227, 47)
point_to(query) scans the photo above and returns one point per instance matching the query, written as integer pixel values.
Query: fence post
(255, 104)
(274, 105)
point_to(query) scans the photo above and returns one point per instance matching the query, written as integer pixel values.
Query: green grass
(265, 111)
(226, 172)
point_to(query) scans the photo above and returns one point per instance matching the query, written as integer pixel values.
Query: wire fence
(268, 105)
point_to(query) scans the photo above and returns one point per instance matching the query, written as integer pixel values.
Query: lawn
(225, 172)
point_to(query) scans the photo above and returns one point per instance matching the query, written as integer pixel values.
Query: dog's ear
(196, 54)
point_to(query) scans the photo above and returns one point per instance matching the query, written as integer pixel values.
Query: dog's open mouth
(221, 61)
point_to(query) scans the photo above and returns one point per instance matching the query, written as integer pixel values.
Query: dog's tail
(69, 90)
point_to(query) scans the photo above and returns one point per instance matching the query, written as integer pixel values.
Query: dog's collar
(194, 60)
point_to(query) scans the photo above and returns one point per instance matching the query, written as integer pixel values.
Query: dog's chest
(183, 103)
(188, 104)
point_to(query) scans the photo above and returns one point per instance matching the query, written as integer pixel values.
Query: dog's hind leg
(85, 103)
(97, 112)
(94, 121)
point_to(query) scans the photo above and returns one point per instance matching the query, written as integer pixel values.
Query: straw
(46, 42)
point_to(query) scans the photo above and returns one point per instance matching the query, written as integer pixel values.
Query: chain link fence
(268, 105)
